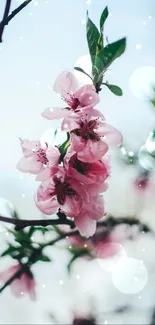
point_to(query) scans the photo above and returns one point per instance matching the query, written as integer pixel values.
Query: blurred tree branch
(106, 226)
(6, 17)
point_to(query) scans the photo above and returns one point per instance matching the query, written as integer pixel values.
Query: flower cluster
(73, 181)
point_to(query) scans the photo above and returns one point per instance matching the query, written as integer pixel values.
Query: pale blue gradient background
(38, 44)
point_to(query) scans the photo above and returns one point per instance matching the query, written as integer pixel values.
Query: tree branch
(23, 223)
(6, 18)
(32, 257)
(108, 224)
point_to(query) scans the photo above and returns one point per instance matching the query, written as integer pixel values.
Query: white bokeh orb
(83, 62)
(108, 260)
(49, 137)
(150, 143)
(145, 159)
(130, 276)
(142, 81)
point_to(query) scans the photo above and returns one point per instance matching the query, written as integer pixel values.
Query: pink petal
(95, 189)
(72, 205)
(55, 113)
(91, 113)
(85, 225)
(110, 135)
(48, 206)
(53, 156)
(29, 286)
(72, 172)
(17, 286)
(45, 174)
(76, 143)
(8, 273)
(84, 89)
(80, 189)
(89, 99)
(65, 84)
(29, 147)
(106, 249)
(95, 208)
(70, 123)
(23, 285)
(92, 151)
(29, 165)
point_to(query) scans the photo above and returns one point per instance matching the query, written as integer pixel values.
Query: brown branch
(6, 18)
(108, 224)
(23, 223)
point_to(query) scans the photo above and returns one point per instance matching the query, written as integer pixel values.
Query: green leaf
(103, 18)
(115, 89)
(44, 258)
(31, 231)
(64, 147)
(79, 251)
(81, 70)
(55, 133)
(71, 262)
(93, 36)
(58, 230)
(111, 52)
(22, 237)
(42, 229)
(97, 71)
(15, 215)
(9, 250)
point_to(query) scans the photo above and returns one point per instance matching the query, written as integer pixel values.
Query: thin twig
(5, 16)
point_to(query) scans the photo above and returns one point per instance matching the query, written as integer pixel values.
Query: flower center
(73, 102)
(86, 130)
(41, 156)
(79, 165)
(62, 190)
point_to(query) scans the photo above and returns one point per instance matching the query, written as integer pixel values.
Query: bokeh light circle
(130, 276)
(142, 81)
(145, 159)
(83, 62)
(49, 137)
